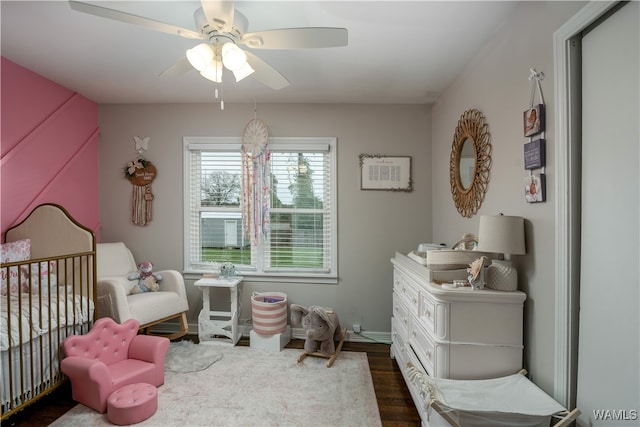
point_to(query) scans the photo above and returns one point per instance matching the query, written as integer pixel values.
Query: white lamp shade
(233, 57)
(501, 234)
(213, 72)
(243, 72)
(200, 56)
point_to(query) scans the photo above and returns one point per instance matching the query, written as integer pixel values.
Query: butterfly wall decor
(142, 143)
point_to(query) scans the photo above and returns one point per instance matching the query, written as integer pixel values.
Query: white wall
(497, 84)
(372, 225)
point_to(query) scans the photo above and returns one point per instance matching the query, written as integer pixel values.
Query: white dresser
(456, 333)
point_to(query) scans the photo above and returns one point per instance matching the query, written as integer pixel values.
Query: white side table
(218, 326)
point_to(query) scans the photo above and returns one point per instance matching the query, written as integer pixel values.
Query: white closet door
(608, 351)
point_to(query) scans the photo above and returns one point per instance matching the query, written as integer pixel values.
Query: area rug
(256, 387)
(186, 356)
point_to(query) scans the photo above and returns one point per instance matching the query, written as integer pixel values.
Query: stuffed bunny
(321, 325)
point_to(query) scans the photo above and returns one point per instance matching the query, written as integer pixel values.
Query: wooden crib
(48, 292)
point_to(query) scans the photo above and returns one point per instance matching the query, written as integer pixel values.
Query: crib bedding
(33, 368)
(28, 316)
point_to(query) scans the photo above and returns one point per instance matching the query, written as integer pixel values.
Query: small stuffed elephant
(321, 325)
(147, 280)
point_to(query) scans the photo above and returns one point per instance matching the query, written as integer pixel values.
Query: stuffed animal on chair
(321, 325)
(147, 280)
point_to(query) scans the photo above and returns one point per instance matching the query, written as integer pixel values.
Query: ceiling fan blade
(265, 73)
(296, 38)
(177, 69)
(220, 12)
(129, 18)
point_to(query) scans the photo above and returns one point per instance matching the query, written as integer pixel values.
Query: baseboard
(298, 333)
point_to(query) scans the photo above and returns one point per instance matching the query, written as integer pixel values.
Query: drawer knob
(427, 313)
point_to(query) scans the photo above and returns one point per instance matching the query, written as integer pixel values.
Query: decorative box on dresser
(457, 333)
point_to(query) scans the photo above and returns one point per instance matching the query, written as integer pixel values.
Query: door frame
(567, 199)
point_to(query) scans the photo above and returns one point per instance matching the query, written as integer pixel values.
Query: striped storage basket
(269, 312)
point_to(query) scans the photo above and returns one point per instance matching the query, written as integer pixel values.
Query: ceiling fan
(222, 30)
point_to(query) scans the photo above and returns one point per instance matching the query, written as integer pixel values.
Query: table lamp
(502, 234)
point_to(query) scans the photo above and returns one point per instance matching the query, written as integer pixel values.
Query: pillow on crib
(20, 250)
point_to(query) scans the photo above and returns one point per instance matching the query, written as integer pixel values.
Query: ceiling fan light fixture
(233, 57)
(243, 72)
(200, 56)
(213, 72)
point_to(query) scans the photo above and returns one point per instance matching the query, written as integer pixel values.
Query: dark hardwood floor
(394, 401)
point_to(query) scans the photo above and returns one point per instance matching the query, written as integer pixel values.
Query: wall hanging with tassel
(141, 173)
(255, 179)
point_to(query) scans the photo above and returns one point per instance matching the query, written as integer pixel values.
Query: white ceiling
(398, 52)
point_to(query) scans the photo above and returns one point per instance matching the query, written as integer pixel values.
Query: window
(298, 242)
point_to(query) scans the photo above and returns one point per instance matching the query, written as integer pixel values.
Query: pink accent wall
(49, 148)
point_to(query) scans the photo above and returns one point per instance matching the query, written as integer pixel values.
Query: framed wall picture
(535, 188)
(534, 154)
(389, 173)
(534, 120)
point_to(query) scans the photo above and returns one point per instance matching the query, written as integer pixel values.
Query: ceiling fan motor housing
(210, 30)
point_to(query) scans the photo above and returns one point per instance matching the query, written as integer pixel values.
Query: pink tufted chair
(109, 357)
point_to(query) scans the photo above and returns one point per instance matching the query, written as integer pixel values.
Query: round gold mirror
(470, 162)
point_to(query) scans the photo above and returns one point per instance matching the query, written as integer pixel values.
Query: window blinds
(301, 237)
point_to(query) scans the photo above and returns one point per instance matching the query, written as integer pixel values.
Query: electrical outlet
(356, 328)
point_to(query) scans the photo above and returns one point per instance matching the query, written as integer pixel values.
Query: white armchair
(114, 263)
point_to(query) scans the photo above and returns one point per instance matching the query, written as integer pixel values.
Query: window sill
(272, 278)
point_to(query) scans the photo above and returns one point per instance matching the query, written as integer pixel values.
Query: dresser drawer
(424, 348)
(401, 317)
(399, 346)
(407, 290)
(434, 316)
(418, 394)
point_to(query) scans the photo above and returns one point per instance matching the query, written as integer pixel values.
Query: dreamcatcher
(255, 179)
(141, 173)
